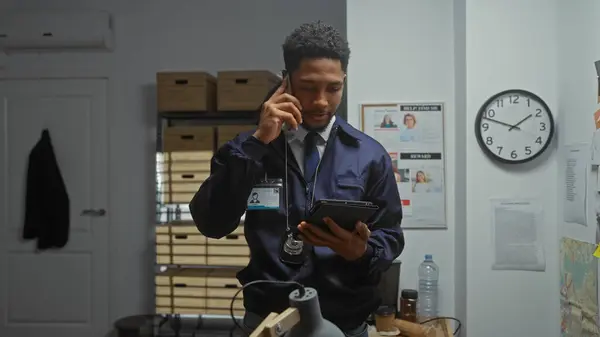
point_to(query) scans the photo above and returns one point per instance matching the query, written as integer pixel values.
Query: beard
(317, 126)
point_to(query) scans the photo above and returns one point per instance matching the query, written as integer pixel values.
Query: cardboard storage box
(232, 250)
(243, 90)
(188, 138)
(186, 91)
(181, 174)
(185, 245)
(181, 291)
(180, 244)
(198, 291)
(226, 133)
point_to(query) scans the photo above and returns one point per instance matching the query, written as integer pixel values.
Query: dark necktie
(311, 156)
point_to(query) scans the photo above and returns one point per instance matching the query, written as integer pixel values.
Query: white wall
(403, 51)
(152, 36)
(462, 52)
(460, 163)
(510, 44)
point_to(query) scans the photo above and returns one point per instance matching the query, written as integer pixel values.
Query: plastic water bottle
(429, 274)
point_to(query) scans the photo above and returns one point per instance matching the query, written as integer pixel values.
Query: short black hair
(315, 40)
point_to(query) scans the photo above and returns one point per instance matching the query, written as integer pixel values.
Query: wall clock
(514, 126)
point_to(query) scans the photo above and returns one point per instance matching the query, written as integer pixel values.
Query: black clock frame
(482, 111)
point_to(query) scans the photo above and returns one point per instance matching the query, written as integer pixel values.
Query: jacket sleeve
(221, 201)
(387, 239)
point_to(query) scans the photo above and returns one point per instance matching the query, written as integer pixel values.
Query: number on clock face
(514, 126)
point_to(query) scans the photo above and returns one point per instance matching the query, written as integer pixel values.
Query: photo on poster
(402, 174)
(427, 180)
(410, 131)
(385, 117)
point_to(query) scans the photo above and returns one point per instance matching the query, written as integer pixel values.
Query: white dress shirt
(296, 140)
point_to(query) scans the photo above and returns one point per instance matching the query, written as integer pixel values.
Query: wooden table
(439, 328)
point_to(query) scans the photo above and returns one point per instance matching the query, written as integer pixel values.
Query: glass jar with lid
(408, 305)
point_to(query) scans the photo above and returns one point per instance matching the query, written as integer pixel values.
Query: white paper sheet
(517, 235)
(576, 168)
(595, 157)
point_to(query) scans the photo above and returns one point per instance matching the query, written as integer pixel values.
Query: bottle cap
(410, 294)
(428, 257)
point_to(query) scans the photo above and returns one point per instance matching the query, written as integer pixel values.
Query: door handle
(93, 212)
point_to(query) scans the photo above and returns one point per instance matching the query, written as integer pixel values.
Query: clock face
(514, 126)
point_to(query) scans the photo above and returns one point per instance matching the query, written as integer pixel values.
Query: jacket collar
(301, 133)
(348, 134)
(345, 132)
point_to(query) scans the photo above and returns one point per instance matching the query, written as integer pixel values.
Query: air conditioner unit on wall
(40, 31)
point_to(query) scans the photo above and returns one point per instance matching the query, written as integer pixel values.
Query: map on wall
(578, 289)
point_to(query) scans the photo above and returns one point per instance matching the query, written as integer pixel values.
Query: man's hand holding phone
(280, 108)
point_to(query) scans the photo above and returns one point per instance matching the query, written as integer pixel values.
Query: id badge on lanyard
(266, 195)
(270, 194)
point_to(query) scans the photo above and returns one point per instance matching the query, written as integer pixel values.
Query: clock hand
(501, 123)
(516, 126)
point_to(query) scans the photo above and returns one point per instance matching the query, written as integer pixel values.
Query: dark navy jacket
(354, 167)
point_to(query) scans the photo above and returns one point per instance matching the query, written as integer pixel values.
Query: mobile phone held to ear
(288, 84)
(288, 90)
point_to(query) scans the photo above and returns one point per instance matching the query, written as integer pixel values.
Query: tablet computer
(344, 212)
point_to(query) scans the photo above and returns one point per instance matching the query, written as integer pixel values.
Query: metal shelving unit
(169, 213)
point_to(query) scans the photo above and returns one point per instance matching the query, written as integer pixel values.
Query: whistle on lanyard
(292, 250)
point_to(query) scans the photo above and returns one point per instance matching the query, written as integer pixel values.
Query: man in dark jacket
(326, 159)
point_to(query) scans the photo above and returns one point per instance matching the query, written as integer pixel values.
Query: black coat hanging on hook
(47, 205)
